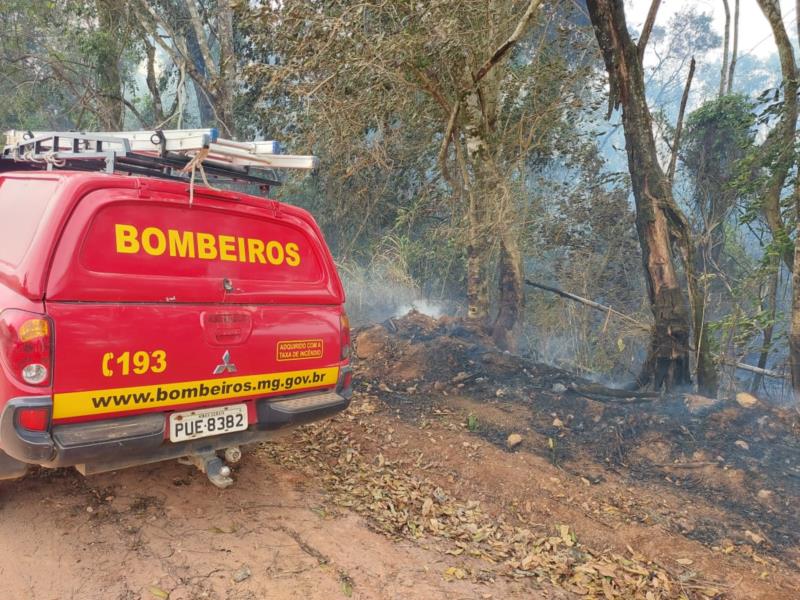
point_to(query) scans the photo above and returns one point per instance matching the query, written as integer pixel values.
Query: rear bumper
(106, 445)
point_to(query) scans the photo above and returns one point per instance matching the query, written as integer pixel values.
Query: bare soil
(414, 493)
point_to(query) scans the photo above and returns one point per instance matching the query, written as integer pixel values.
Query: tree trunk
(725, 43)
(227, 68)
(771, 308)
(479, 190)
(780, 141)
(667, 363)
(794, 327)
(152, 83)
(735, 50)
(108, 71)
(206, 112)
(505, 330)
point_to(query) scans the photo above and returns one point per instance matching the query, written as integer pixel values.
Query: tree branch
(202, 41)
(724, 70)
(130, 106)
(448, 134)
(501, 51)
(587, 302)
(679, 125)
(735, 50)
(648, 28)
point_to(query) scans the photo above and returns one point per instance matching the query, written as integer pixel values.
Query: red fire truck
(143, 317)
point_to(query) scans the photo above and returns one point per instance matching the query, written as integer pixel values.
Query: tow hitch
(212, 465)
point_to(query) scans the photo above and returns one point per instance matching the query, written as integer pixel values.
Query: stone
(514, 440)
(746, 400)
(242, 574)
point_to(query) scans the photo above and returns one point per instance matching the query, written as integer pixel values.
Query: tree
(781, 157)
(66, 64)
(658, 218)
(480, 95)
(198, 38)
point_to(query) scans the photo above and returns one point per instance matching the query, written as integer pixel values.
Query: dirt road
(164, 531)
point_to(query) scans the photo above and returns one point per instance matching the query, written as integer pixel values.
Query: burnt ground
(415, 493)
(722, 475)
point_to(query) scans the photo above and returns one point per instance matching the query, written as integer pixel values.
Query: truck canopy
(71, 236)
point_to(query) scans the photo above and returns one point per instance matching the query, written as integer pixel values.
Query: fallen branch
(587, 302)
(602, 393)
(759, 370)
(689, 465)
(624, 317)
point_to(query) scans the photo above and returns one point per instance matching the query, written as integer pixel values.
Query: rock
(754, 537)
(764, 494)
(439, 386)
(558, 422)
(696, 403)
(746, 400)
(461, 376)
(242, 574)
(742, 444)
(559, 388)
(371, 342)
(514, 440)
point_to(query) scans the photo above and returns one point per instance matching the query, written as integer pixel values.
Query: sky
(755, 35)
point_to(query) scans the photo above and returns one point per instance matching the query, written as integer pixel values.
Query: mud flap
(11, 468)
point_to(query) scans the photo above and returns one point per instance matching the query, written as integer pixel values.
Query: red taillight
(26, 346)
(344, 323)
(33, 419)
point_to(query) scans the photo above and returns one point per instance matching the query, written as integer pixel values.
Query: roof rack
(164, 153)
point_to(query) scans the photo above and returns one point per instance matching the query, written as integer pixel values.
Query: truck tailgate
(114, 359)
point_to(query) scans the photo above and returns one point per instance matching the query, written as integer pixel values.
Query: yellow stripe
(78, 404)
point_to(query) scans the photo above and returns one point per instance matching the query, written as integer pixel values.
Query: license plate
(194, 424)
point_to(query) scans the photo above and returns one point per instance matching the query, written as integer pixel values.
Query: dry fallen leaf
(754, 537)
(427, 507)
(159, 593)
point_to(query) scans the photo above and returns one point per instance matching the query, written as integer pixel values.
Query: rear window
(22, 205)
(177, 241)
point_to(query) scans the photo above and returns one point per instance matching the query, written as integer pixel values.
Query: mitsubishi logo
(226, 365)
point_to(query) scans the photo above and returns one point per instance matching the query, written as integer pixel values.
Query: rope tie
(48, 157)
(193, 165)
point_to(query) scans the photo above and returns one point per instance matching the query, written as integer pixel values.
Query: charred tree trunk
(667, 363)
(505, 330)
(770, 304)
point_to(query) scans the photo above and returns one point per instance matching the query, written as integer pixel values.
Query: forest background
(473, 148)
